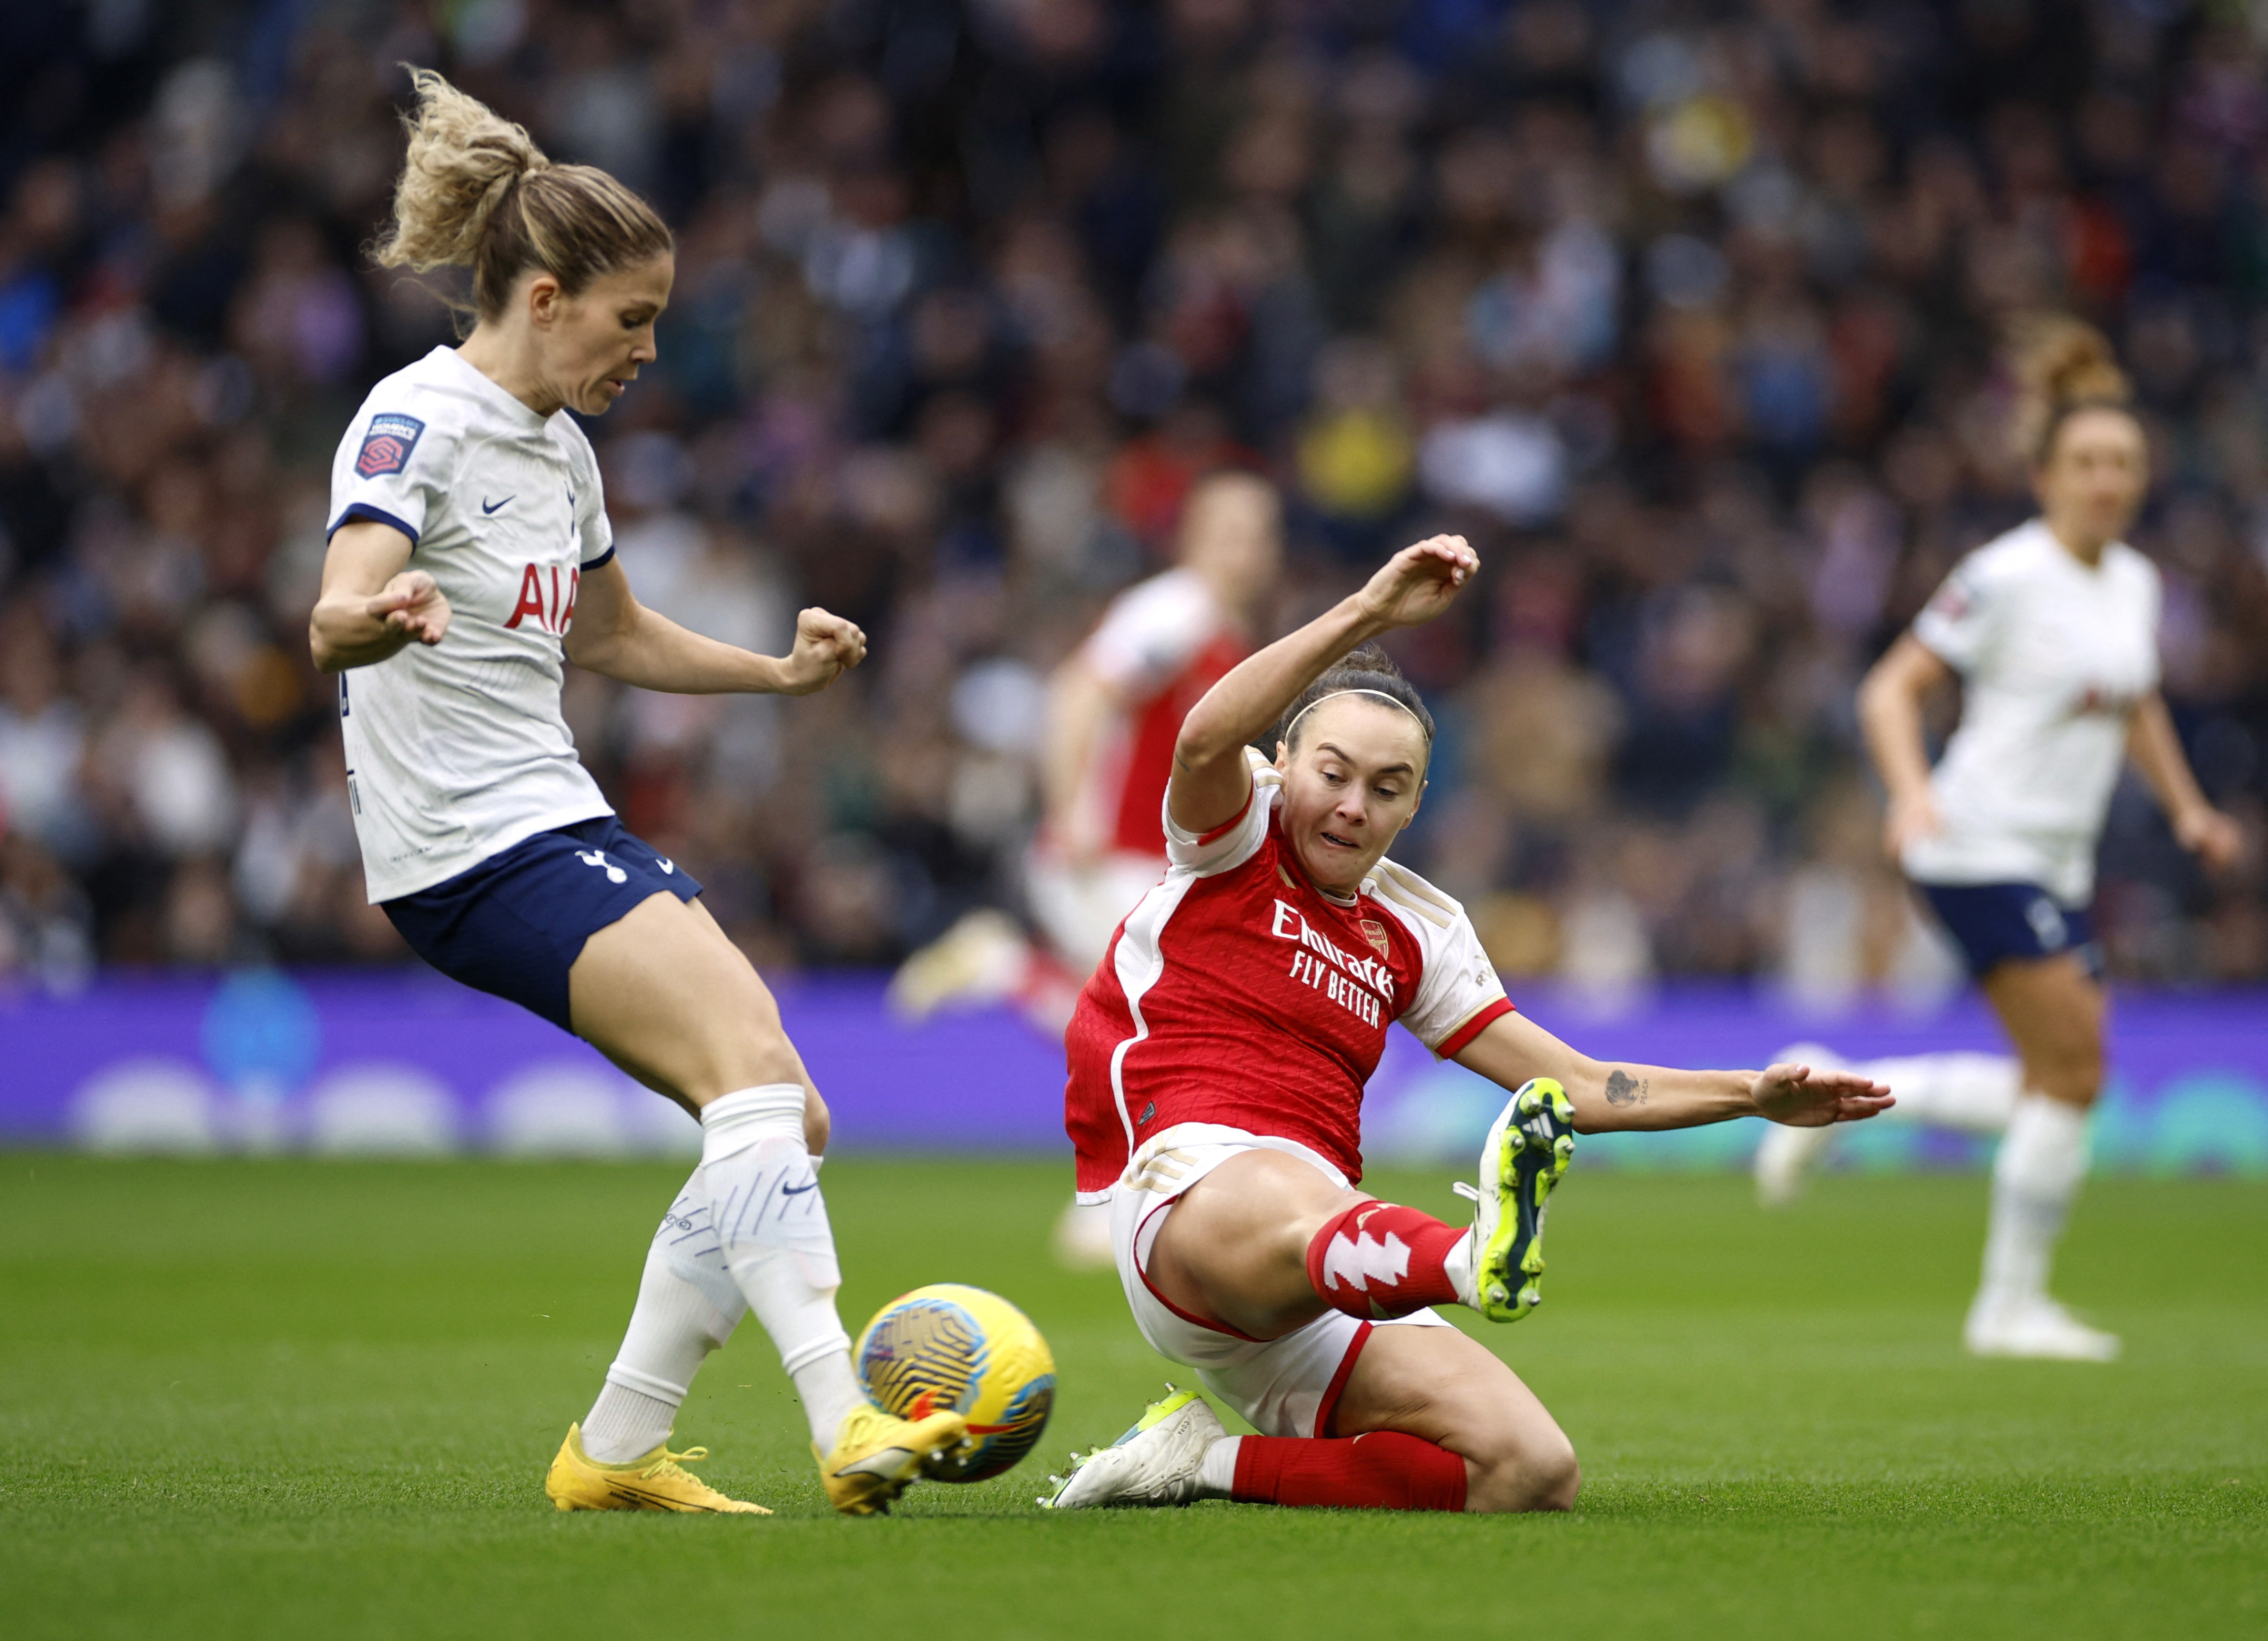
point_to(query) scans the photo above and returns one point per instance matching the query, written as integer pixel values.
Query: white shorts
(1288, 1387)
(1078, 908)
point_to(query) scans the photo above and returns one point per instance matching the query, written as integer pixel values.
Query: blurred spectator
(1688, 320)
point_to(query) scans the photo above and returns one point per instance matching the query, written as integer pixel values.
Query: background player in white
(2052, 630)
(1217, 1061)
(1114, 708)
(469, 558)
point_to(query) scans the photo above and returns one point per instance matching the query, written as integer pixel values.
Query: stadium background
(1685, 315)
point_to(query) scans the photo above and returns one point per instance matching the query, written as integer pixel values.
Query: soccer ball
(947, 1346)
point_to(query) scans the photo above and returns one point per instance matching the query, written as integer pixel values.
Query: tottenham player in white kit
(469, 559)
(2052, 630)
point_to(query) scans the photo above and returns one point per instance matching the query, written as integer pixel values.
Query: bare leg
(2053, 1013)
(666, 996)
(1449, 1389)
(1234, 1249)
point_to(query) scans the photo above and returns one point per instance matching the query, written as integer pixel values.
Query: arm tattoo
(1624, 1089)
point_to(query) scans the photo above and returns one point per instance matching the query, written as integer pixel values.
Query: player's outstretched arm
(1608, 1096)
(1211, 778)
(617, 637)
(372, 603)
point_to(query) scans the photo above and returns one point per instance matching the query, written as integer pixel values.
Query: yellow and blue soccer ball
(947, 1346)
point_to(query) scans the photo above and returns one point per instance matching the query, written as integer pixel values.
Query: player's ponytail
(1369, 670)
(2062, 366)
(476, 192)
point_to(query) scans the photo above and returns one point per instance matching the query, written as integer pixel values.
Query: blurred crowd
(1685, 315)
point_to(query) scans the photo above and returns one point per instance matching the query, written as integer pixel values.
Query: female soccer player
(2054, 630)
(1217, 1061)
(470, 557)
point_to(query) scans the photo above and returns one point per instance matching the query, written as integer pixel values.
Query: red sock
(1382, 1470)
(1377, 1260)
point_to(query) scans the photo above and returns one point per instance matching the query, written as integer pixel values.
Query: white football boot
(2036, 1327)
(1154, 1465)
(1786, 1156)
(981, 959)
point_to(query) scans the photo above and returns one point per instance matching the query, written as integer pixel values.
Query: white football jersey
(2054, 657)
(457, 753)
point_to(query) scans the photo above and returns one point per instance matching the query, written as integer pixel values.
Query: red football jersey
(1159, 647)
(1149, 752)
(1237, 992)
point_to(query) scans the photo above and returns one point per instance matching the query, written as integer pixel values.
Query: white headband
(1292, 729)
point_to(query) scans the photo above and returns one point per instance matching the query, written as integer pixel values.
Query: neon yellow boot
(657, 1480)
(876, 1456)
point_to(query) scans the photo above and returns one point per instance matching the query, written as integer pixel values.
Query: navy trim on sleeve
(602, 561)
(363, 510)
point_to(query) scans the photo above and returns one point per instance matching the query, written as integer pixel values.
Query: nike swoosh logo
(667, 865)
(799, 1190)
(491, 507)
(887, 1463)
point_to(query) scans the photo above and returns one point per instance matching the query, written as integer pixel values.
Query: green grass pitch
(302, 1400)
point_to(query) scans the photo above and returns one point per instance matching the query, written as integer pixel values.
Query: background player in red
(1218, 1059)
(1113, 709)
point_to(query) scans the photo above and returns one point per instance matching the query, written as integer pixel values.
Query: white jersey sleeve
(1228, 846)
(594, 535)
(1151, 632)
(397, 463)
(1458, 990)
(1959, 624)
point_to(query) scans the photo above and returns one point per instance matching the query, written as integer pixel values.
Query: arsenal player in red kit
(1217, 1059)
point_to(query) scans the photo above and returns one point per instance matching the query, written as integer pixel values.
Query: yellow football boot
(655, 1482)
(877, 1455)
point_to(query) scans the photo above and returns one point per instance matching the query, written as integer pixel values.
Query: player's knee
(2072, 1073)
(1524, 1469)
(817, 1124)
(1541, 1475)
(750, 1046)
(1558, 1479)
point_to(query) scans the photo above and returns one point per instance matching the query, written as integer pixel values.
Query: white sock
(1457, 1266)
(2035, 1176)
(1975, 1093)
(686, 1306)
(771, 1224)
(626, 1425)
(1216, 1472)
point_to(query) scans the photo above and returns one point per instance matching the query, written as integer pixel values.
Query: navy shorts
(1994, 922)
(514, 925)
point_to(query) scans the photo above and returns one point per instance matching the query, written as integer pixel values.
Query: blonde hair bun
(463, 157)
(2061, 365)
